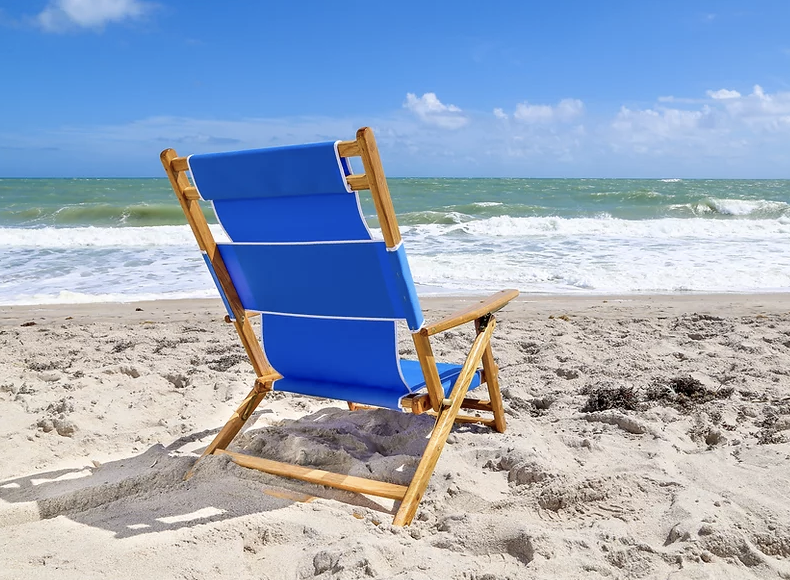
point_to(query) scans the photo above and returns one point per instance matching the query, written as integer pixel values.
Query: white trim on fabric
(222, 295)
(263, 349)
(396, 247)
(221, 226)
(328, 317)
(400, 369)
(211, 201)
(340, 168)
(194, 181)
(362, 215)
(312, 243)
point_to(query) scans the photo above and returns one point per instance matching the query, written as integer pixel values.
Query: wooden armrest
(490, 304)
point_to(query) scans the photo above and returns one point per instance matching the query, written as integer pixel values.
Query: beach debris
(129, 371)
(604, 398)
(684, 393)
(138, 309)
(48, 365)
(543, 403)
(529, 347)
(31, 323)
(178, 380)
(772, 425)
(522, 548)
(122, 345)
(163, 343)
(224, 363)
(567, 373)
(63, 406)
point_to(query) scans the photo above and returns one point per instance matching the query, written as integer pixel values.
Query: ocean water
(90, 240)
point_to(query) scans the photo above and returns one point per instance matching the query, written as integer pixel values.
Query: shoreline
(748, 303)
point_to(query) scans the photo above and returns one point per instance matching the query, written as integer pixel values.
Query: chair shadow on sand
(147, 493)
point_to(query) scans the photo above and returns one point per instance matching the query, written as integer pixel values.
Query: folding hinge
(260, 389)
(483, 321)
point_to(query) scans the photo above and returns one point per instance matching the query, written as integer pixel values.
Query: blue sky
(620, 88)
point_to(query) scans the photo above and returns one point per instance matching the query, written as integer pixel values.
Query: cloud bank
(725, 133)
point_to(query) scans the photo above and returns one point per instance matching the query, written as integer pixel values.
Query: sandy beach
(648, 437)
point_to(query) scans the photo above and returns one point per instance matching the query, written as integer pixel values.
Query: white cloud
(659, 123)
(727, 126)
(564, 111)
(683, 100)
(62, 15)
(431, 110)
(499, 113)
(723, 94)
(760, 111)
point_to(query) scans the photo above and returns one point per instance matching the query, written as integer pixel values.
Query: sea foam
(105, 237)
(534, 254)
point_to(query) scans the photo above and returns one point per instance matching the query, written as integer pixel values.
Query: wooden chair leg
(492, 381)
(444, 424)
(237, 420)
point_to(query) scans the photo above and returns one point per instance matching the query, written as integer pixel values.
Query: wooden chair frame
(445, 409)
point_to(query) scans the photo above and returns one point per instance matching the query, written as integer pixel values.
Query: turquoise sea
(83, 240)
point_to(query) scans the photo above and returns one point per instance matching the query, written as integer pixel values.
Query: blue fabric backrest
(282, 208)
(302, 254)
(273, 172)
(347, 280)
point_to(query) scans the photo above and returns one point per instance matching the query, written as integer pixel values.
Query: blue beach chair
(329, 297)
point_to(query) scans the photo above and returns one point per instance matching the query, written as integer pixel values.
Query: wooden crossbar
(469, 419)
(319, 476)
(358, 182)
(250, 314)
(348, 149)
(179, 164)
(421, 403)
(191, 193)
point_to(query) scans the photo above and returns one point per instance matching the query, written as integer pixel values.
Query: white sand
(103, 407)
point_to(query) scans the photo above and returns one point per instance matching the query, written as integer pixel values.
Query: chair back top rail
(373, 179)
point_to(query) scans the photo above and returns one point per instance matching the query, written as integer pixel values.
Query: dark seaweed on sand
(603, 398)
(684, 392)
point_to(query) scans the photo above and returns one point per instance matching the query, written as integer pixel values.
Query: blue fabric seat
(302, 255)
